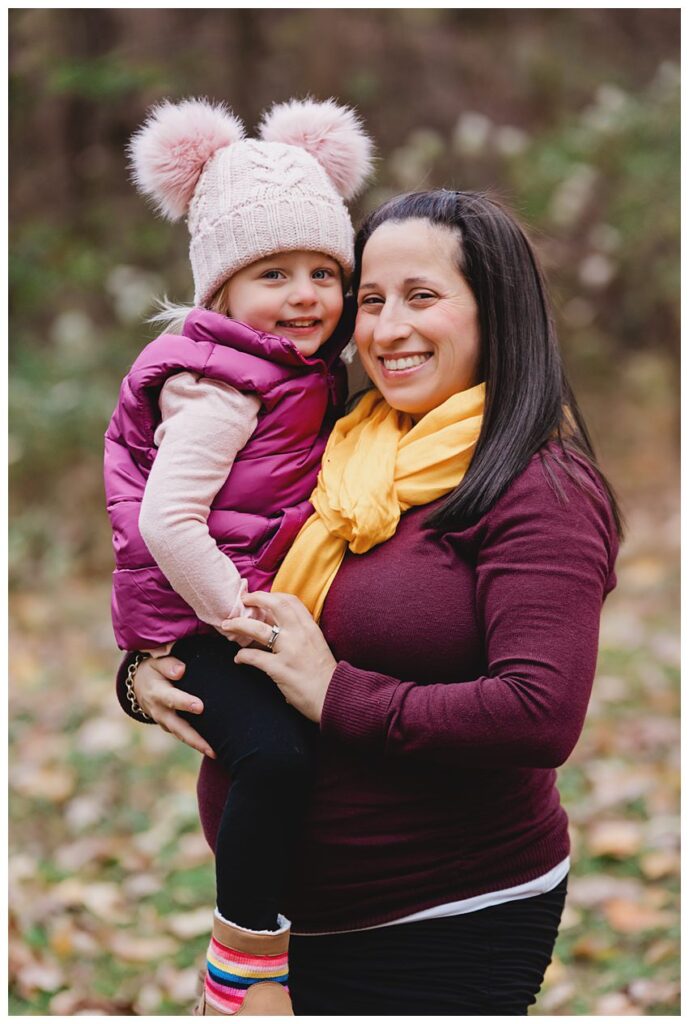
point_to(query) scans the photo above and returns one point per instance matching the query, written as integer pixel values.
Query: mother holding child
(391, 672)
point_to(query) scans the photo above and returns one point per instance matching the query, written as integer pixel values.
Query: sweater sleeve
(543, 569)
(204, 424)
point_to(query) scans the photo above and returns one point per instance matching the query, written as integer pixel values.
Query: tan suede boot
(263, 998)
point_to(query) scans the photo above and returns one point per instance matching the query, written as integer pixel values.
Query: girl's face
(295, 294)
(417, 323)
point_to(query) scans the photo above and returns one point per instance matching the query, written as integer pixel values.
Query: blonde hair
(170, 316)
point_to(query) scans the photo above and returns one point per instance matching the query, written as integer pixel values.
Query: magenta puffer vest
(263, 504)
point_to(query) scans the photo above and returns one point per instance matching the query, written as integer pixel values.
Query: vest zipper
(332, 389)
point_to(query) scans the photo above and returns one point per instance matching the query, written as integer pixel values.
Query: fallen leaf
(662, 949)
(54, 784)
(148, 1000)
(664, 832)
(657, 896)
(190, 924)
(20, 955)
(43, 747)
(663, 800)
(653, 991)
(61, 936)
(553, 998)
(141, 949)
(83, 811)
(645, 571)
(86, 944)
(192, 850)
(615, 1004)
(103, 735)
(589, 891)
(21, 867)
(571, 917)
(141, 885)
(40, 976)
(103, 899)
(660, 863)
(593, 947)
(631, 918)
(555, 972)
(610, 688)
(179, 985)
(667, 647)
(614, 782)
(87, 850)
(72, 1003)
(619, 838)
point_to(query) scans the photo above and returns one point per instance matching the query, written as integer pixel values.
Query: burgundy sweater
(465, 665)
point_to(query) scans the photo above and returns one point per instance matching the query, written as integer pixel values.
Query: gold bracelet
(131, 695)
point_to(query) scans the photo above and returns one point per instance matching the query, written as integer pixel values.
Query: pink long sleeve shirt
(204, 424)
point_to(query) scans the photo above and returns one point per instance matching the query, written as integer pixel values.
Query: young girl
(210, 458)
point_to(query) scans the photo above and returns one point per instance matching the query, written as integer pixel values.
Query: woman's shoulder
(558, 490)
(557, 477)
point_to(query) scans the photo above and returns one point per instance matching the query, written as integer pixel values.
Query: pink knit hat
(249, 198)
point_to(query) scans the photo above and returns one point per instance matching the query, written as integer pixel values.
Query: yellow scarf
(377, 464)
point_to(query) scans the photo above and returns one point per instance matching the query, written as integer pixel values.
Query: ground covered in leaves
(111, 882)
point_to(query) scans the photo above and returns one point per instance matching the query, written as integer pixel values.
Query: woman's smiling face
(417, 323)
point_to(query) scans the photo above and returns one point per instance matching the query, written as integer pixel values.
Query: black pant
(487, 963)
(269, 750)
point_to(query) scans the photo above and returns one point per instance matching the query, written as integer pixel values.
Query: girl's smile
(295, 294)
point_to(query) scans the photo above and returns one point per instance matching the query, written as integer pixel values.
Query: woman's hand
(300, 663)
(161, 701)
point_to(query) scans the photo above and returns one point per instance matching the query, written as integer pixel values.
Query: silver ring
(274, 634)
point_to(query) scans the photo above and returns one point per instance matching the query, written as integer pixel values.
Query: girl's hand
(301, 663)
(161, 701)
(158, 652)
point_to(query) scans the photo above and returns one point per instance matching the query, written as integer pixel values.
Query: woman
(452, 663)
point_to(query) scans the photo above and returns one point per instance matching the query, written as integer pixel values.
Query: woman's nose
(389, 327)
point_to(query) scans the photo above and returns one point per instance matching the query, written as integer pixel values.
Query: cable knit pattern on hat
(255, 197)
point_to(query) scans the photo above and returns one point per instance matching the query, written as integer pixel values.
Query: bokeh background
(572, 117)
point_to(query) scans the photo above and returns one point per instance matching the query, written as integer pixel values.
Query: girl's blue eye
(323, 274)
(271, 275)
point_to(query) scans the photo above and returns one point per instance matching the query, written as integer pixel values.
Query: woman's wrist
(137, 710)
(356, 704)
(132, 658)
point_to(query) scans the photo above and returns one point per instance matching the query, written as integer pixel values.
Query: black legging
(486, 963)
(268, 749)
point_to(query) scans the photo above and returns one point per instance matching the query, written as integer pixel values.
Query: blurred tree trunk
(249, 52)
(88, 35)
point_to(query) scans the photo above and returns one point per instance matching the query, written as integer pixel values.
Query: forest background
(572, 116)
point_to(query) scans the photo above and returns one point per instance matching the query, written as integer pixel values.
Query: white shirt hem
(536, 887)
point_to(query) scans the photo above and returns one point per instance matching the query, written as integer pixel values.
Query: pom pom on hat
(247, 198)
(170, 150)
(331, 133)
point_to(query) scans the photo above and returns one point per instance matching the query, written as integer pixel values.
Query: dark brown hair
(529, 400)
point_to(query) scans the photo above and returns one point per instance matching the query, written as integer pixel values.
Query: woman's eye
(423, 295)
(370, 300)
